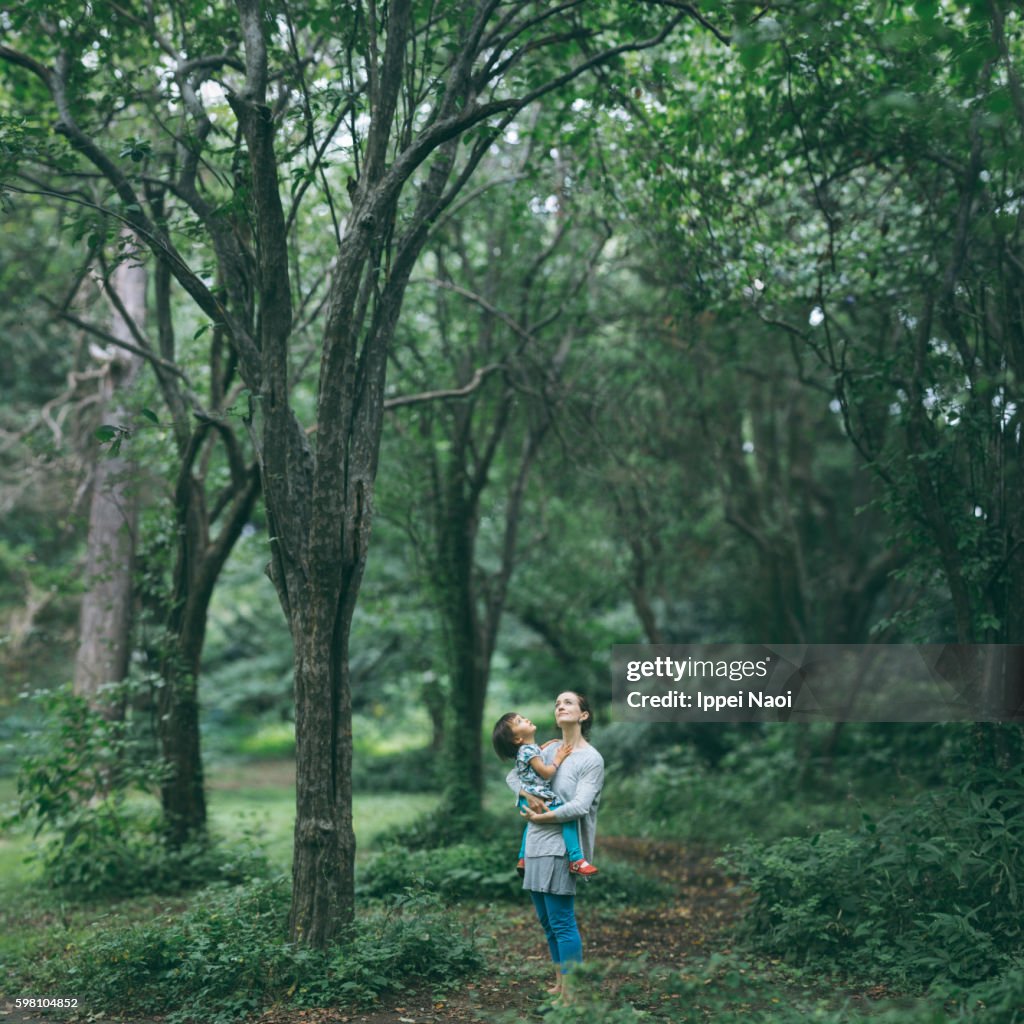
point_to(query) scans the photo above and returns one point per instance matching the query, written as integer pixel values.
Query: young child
(513, 739)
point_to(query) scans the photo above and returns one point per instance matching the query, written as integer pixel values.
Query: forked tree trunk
(319, 503)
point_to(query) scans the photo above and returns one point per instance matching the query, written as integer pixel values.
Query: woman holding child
(549, 876)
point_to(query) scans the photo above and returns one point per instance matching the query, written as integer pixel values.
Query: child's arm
(547, 771)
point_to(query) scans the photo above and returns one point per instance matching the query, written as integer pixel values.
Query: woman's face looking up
(567, 708)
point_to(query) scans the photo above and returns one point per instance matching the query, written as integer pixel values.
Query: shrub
(216, 962)
(925, 895)
(97, 863)
(998, 1000)
(478, 870)
(485, 870)
(771, 782)
(415, 942)
(87, 791)
(227, 957)
(679, 796)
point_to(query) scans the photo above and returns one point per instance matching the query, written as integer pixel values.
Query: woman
(577, 784)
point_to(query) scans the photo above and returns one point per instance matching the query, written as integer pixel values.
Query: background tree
(509, 306)
(105, 618)
(41, 463)
(400, 88)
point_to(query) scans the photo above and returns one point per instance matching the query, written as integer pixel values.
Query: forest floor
(685, 930)
(682, 932)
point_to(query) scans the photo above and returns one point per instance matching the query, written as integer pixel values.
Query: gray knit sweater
(577, 783)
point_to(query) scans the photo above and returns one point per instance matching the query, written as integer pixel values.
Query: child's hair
(505, 745)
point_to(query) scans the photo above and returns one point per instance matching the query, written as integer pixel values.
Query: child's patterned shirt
(529, 780)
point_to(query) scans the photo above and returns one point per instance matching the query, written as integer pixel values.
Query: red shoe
(582, 867)
(521, 868)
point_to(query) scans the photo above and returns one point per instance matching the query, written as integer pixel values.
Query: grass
(244, 798)
(258, 798)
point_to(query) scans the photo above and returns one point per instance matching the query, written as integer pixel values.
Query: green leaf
(752, 56)
(106, 433)
(151, 416)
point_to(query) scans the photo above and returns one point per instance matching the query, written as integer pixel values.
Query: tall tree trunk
(468, 661)
(323, 867)
(198, 565)
(318, 590)
(182, 793)
(105, 620)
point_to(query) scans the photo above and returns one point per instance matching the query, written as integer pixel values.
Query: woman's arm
(588, 786)
(537, 806)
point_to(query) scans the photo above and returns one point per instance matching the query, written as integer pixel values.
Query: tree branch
(432, 396)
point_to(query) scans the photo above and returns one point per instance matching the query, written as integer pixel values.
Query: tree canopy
(660, 321)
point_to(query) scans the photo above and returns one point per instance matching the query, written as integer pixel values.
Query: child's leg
(522, 844)
(571, 836)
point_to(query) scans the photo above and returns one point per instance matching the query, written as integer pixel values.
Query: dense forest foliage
(373, 368)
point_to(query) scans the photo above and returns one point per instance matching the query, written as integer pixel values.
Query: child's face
(523, 730)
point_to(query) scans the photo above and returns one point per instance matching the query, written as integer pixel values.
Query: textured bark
(105, 620)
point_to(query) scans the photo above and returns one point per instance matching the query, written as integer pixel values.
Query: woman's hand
(535, 804)
(542, 818)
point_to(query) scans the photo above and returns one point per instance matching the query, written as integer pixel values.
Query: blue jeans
(570, 835)
(558, 919)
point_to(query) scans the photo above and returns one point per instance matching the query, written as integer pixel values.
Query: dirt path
(671, 933)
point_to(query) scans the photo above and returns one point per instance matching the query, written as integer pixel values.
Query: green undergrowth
(481, 867)
(226, 956)
(763, 783)
(927, 898)
(85, 793)
(485, 872)
(725, 989)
